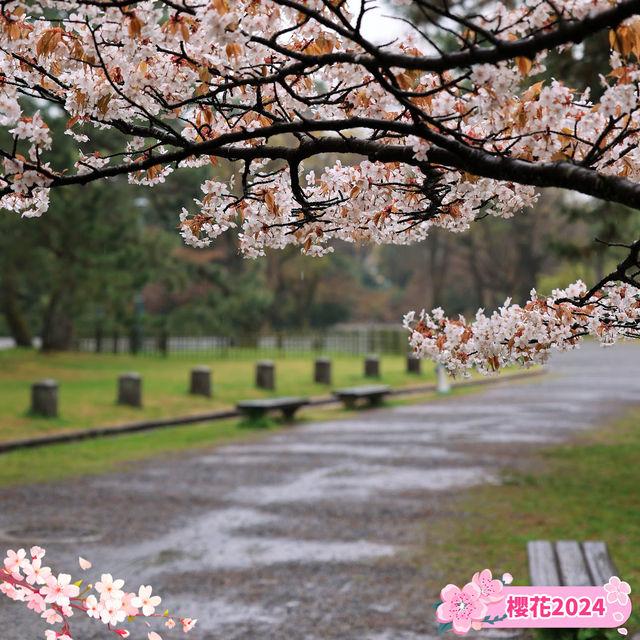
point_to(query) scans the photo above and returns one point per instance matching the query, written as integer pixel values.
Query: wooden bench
(374, 393)
(258, 408)
(569, 563)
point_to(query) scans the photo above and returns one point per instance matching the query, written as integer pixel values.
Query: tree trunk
(476, 271)
(16, 322)
(529, 260)
(57, 328)
(307, 297)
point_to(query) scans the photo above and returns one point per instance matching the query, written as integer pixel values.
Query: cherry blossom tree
(411, 136)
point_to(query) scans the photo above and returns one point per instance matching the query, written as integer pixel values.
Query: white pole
(444, 383)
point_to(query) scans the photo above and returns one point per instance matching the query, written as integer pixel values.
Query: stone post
(413, 364)
(44, 398)
(130, 389)
(372, 366)
(322, 371)
(201, 381)
(265, 375)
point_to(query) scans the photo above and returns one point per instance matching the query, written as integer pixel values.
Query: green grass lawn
(102, 455)
(588, 489)
(88, 385)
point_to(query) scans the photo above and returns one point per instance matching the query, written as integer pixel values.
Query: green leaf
(490, 620)
(444, 626)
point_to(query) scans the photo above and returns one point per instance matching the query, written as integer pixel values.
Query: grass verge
(103, 455)
(87, 385)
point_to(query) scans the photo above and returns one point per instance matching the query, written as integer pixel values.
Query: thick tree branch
(563, 33)
(446, 152)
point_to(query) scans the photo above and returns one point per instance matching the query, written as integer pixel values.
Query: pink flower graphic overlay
(461, 607)
(490, 590)
(617, 590)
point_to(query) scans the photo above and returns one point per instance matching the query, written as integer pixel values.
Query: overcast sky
(376, 27)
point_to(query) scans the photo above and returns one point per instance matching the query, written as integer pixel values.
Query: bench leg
(376, 400)
(254, 414)
(289, 412)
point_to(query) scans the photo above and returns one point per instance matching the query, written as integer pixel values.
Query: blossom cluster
(56, 598)
(373, 203)
(99, 62)
(526, 335)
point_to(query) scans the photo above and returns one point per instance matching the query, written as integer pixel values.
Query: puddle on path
(344, 449)
(360, 482)
(248, 457)
(218, 613)
(213, 542)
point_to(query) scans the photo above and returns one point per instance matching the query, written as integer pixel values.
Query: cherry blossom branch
(452, 154)
(409, 140)
(527, 335)
(56, 599)
(620, 273)
(564, 33)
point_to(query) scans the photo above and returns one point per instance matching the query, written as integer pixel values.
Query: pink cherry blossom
(188, 623)
(617, 591)
(107, 587)
(36, 602)
(58, 590)
(127, 604)
(9, 590)
(91, 603)
(111, 611)
(36, 573)
(37, 553)
(490, 590)
(15, 561)
(84, 564)
(146, 601)
(422, 152)
(51, 616)
(461, 607)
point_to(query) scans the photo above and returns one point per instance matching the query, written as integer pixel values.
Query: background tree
(91, 250)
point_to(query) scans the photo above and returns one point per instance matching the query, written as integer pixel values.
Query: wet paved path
(307, 534)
